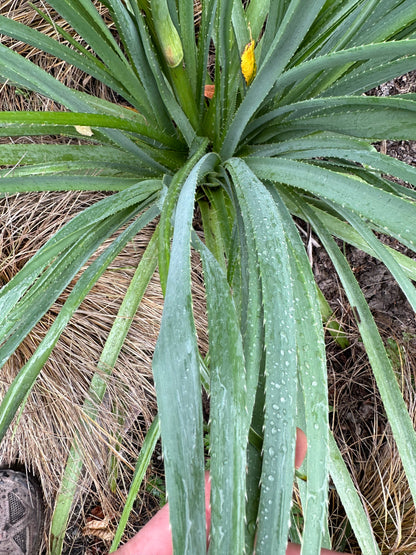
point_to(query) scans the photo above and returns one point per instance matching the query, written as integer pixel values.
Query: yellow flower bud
(248, 62)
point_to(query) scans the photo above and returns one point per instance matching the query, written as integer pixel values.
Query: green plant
(156, 486)
(295, 141)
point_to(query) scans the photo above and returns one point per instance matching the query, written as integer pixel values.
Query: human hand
(155, 538)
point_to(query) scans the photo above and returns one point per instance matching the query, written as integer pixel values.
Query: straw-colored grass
(365, 439)
(53, 414)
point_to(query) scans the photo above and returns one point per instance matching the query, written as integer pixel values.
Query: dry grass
(13, 98)
(365, 440)
(364, 437)
(53, 413)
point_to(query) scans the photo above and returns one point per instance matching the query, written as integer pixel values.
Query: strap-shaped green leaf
(223, 59)
(26, 297)
(22, 71)
(346, 233)
(29, 157)
(312, 145)
(129, 35)
(379, 54)
(97, 389)
(142, 464)
(228, 404)
(178, 388)
(187, 34)
(335, 145)
(83, 15)
(369, 75)
(386, 19)
(33, 37)
(18, 123)
(312, 373)
(204, 41)
(399, 419)
(217, 222)
(28, 183)
(362, 198)
(342, 36)
(85, 19)
(355, 115)
(25, 379)
(327, 28)
(63, 239)
(352, 504)
(383, 254)
(280, 357)
(172, 195)
(353, 28)
(256, 13)
(173, 109)
(243, 270)
(362, 119)
(19, 320)
(80, 168)
(145, 70)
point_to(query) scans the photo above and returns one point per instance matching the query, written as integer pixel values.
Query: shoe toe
(21, 514)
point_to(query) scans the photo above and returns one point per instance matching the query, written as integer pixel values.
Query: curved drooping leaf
(176, 373)
(257, 206)
(228, 397)
(358, 116)
(27, 297)
(90, 65)
(350, 500)
(170, 201)
(142, 464)
(384, 255)
(312, 375)
(98, 386)
(21, 71)
(397, 413)
(341, 60)
(25, 379)
(333, 145)
(346, 233)
(364, 199)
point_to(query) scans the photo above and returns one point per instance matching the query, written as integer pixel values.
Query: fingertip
(301, 447)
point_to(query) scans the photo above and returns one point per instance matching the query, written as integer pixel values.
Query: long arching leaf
(365, 199)
(176, 372)
(312, 373)
(228, 404)
(397, 413)
(280, 358)
(26, 377)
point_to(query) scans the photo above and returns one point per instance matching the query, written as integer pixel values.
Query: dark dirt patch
(358, 420)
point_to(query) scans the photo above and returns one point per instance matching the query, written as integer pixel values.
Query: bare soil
(358, 419)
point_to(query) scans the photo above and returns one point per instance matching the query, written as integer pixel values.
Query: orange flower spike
(248, 61)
